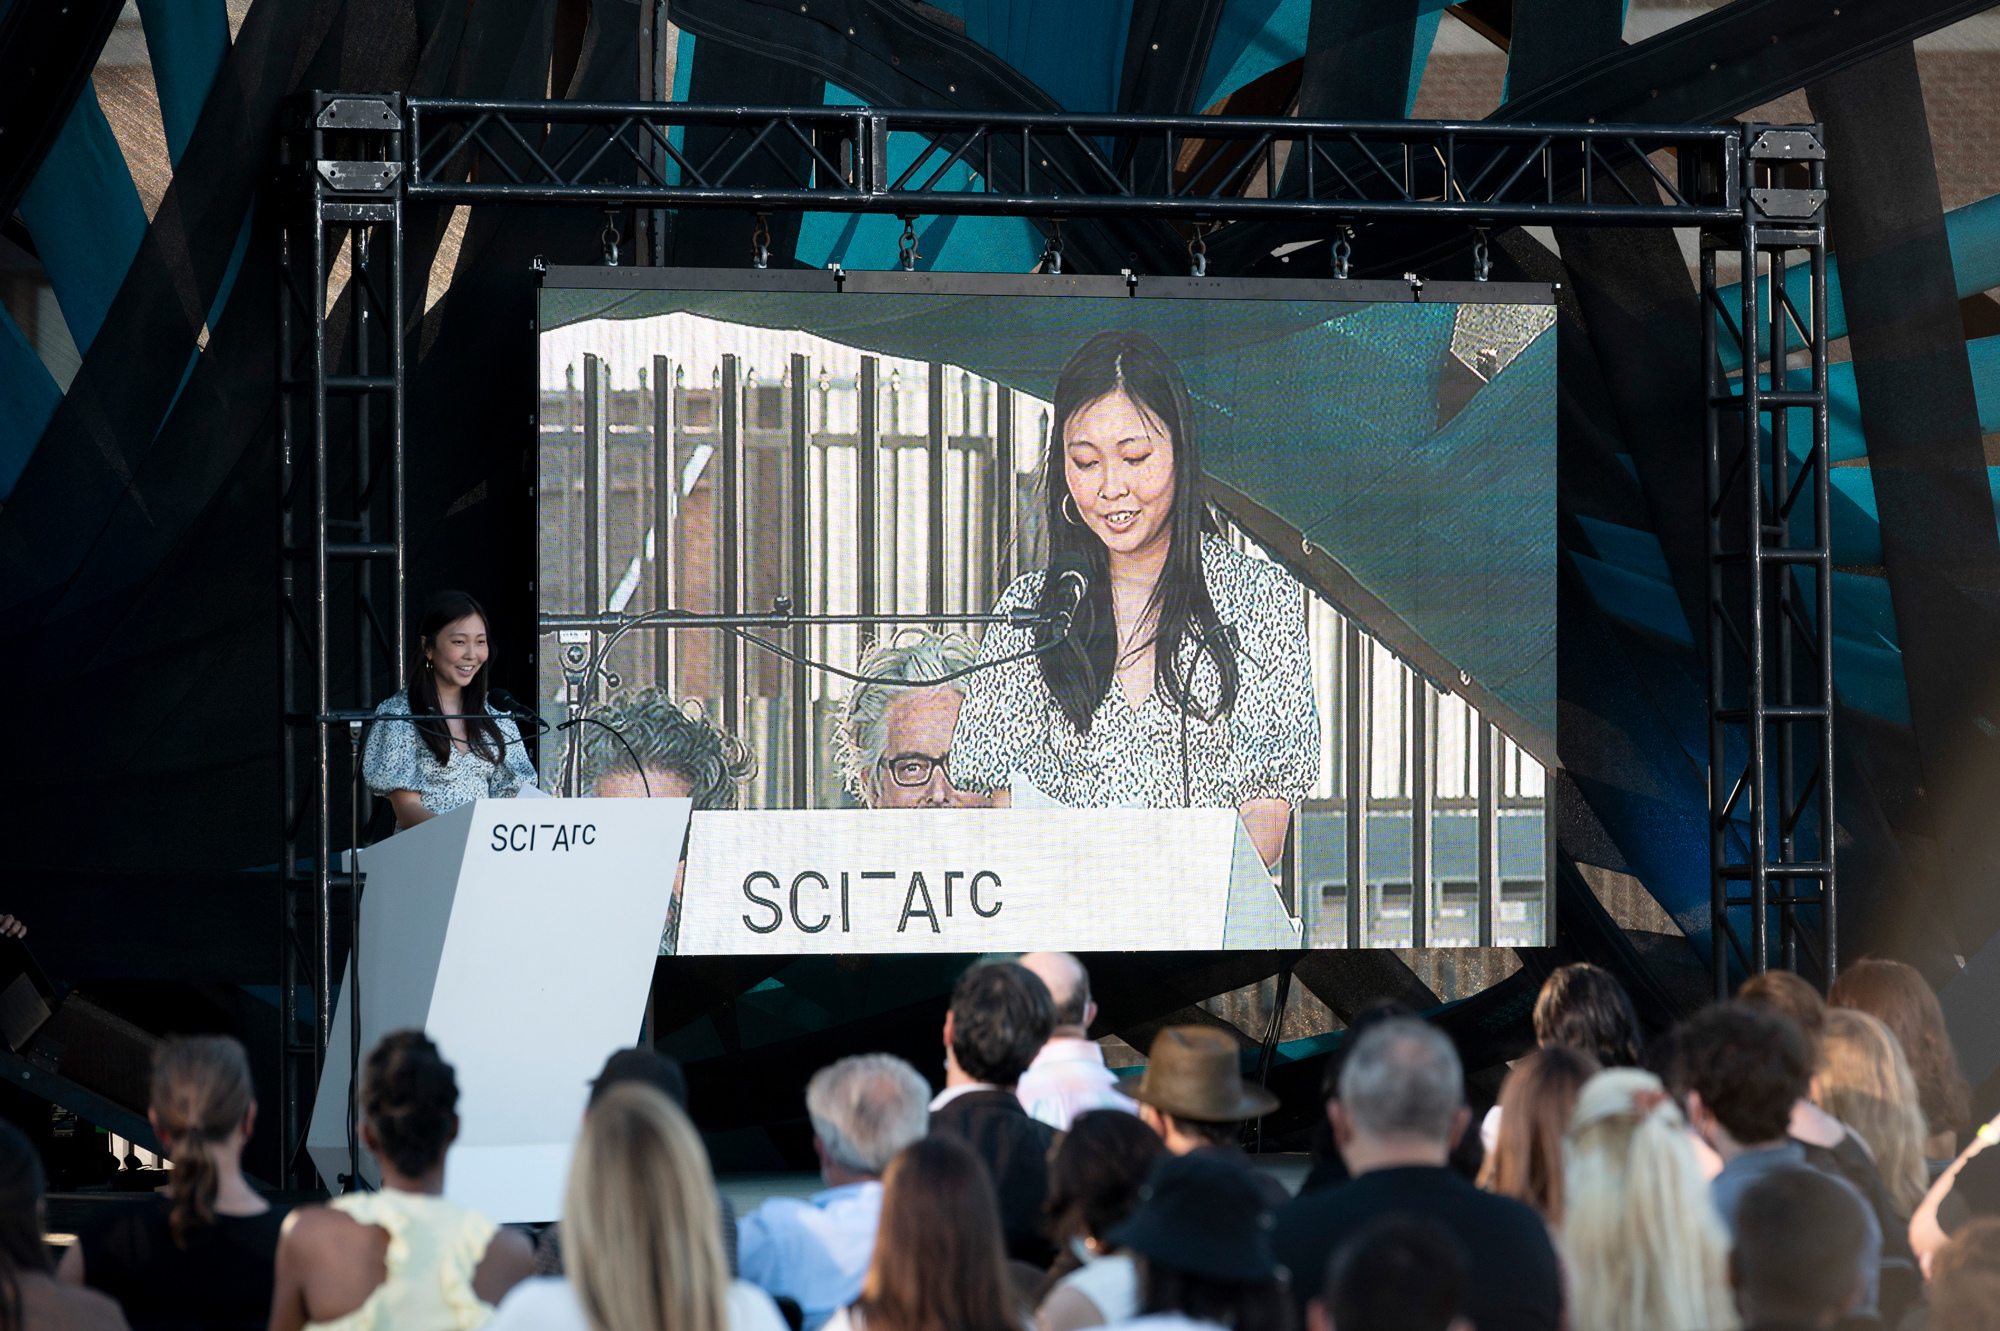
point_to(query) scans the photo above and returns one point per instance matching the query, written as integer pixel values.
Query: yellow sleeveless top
(434, 1247)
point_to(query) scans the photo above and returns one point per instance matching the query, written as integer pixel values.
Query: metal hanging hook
(1482, 260)
(1052, 249)
(760, 242)
(1343, 252)
(1198, 250)
(907, 245)
(610, 237)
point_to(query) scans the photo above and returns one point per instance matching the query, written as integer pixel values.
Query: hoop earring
(1067, 506)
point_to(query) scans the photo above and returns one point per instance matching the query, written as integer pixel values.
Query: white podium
(521, 936)
(977, 880)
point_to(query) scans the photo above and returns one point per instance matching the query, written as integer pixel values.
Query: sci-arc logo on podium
(976, 880)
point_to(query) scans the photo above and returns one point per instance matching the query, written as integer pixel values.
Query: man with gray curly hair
(644, 744)
(895, 738)
(816, 1251)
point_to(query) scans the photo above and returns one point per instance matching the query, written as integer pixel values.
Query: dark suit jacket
(1016, 1151)
(1512, 1281)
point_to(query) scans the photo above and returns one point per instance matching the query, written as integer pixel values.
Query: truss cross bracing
(351, 163)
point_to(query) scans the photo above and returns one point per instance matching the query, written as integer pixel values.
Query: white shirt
(1067, 1078)
(1111, 1283)
(1165, 1322)
(549, 1303)
(813, 1251)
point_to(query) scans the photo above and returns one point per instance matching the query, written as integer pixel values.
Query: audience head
(1001, 1016)
(1401, 1087)
(1584, 1007)
(1192, 1092)
(894, 737)
(1965, 1279)
(643, 744)
(23, 1246)
(1865, 1082)
(1640, 1237)
(1741, 1070)
(1800, 1240)
(202, 1108)
(642, 1065)
(1069, 990)
(1789, 996)
(409, 1104)
(1096, 1175)
(864, 1109)
(1400, 1273)
(1897, 996)
(641, 1231)
(940, 1263)
(1536, 1101)
(1203, 1235)
(1976, 1246)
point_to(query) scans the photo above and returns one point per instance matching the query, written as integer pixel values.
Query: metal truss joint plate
(1788, 204)
(359, 212)
(1787, 145)
(360, 177)
(358, 113)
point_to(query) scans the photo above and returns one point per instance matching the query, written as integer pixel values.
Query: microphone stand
(582, 666)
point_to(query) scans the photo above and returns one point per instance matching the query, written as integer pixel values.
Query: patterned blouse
(1267, 747)
(396, 758)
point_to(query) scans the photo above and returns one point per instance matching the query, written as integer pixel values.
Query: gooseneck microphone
(1069, 576)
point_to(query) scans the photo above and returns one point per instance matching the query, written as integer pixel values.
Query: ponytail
(201, 1092)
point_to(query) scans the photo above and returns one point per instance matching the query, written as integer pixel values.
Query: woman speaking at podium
(471, 751)
(1184, 681)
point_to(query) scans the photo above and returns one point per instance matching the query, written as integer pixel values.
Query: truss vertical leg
(1769, 647)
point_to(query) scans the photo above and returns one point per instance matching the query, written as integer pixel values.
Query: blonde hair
(1641, 1242)
(1866, 1083)
(642, 1235)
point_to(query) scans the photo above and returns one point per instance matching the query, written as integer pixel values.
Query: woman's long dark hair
(22, 1247)
(482, 733)
(1079, 672)
(940, 1263)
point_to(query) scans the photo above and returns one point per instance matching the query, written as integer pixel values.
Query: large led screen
(1067, 612)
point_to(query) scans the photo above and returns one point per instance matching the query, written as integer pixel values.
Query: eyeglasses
(914, 769)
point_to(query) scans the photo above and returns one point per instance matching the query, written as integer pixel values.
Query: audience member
(203, 1253)
(1741, 1069)
(1094, 1183)
(815, 1251)
(1641, 1242)
(1785, 994)
(1193, 1094)
(1203, 1236)
(1864, 1082)
(30, 1295)
(338, 1260)
(644, 1245)
(1802, 1251)
(1968, 1188)
(1896, 995)
(1328, 1169)
(1000, 1016)
(895, 738)
(1582, 1007)
(939, 1263)
(1401, 1108)
(1965, 1279)
(1400, 1273)
(1831, 1146)
(1536, 1100)
(1068, 1076)
(663, 1074)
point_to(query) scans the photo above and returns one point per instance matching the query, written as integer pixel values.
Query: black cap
(642, 1065)
(1202, 1213)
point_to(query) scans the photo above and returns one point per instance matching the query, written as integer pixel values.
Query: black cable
(619, 735)
(972, 669)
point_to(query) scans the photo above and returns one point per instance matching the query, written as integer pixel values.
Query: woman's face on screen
(458, 651)
(1119, 463)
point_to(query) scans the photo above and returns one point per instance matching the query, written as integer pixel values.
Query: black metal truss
(352, 162)
(1770, 584)
(342, 547)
